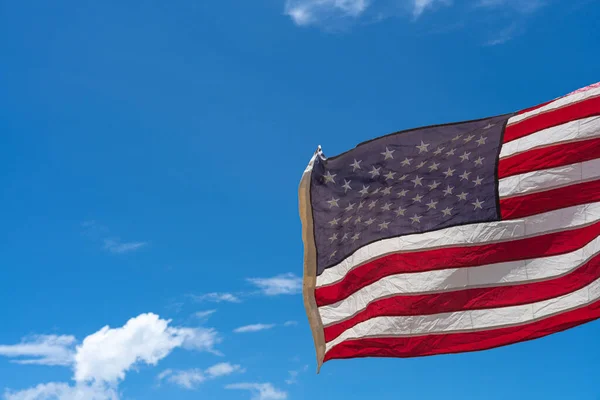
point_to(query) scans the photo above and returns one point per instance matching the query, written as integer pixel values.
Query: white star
(400, 211)
(333, 254)
(389, 175)
(488, 126)
(465, 156)
(403, 177)
(329, 178)
(434, 185)
(358, 220)
(478, 204)
(355, 165)
(447, 211)
(450, 172)
(469, 138)
(372, 204)
(334, 221)
(376, 191)
(345, 237)
(364, 191)
(417, 198)
(369, 221)
(333, 237)
(387, 191)
(423, 147)
(448, 190)
(479, 161)
(350, 207)
(456, 138)
(481, 141)
(434, 167)
(402, 193)
(361, 205)
(417, 181)
(431, 204)
(386, 207)
(451, 152)
(347, 220)
(388, 153)
(355, 237)
(347, 186)
(478, 181)
(383, 225)
(465, 175)
(333, 202)
(462, 196)
(416, 218)
(406, 162)
(439, 151)
(374, 172)
(421, 164)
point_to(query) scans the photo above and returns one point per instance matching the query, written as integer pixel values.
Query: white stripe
(474, 234)
(470, 320)
(499, 274)
(562, 102)
(585, 128)
(549, 178)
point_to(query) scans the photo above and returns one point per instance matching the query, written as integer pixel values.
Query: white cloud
(290, 323)
(253, 328)
(109, 353)
(63, 391)
(503, 36)
(293, 378)
(281, 284)
(260, 391)
(42, 350)
(192, 378)
(117, 247)
(307, 12)
(102, 360)
(217, 298)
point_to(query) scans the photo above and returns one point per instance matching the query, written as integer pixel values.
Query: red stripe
(472, 299)
(549, 200)
(417, 346)
(583, 109)
(456, 257)
(549, 157)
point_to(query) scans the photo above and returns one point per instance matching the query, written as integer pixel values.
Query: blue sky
(150, 154)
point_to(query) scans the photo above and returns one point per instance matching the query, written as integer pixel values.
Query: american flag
(458, 237)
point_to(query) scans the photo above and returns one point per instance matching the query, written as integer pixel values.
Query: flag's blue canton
(410, 182)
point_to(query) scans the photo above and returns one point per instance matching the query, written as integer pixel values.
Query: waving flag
(457, 237)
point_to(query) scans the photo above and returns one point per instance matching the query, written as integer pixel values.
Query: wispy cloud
(190, 379)
(290, 323)
(216, 298)
(260, 391)
(254, 328)
(419, 6)
(203, 315)
(293, 375)
(278, 285)
(63, 391)
(503, 36)
(522, 6)
(117, 247)
(42, 350)
(98, 232)
(307, 12)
